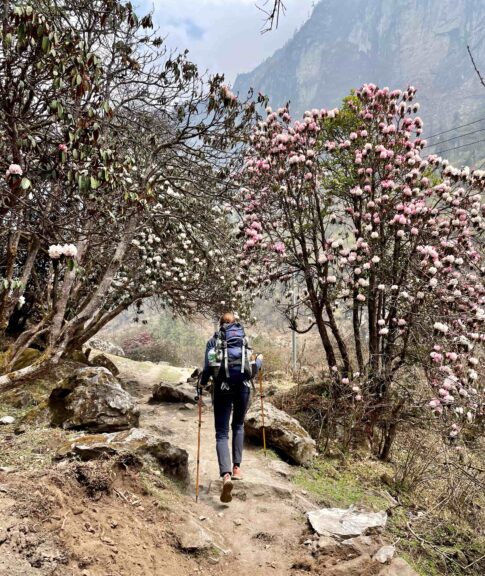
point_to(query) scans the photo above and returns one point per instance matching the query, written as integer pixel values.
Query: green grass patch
(270, 453)
(339, 483)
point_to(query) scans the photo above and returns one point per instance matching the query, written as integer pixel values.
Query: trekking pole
(199, 402)
(260, 378)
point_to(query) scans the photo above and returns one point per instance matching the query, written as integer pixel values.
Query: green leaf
(45, 43)
(25, 183)
(94, 183)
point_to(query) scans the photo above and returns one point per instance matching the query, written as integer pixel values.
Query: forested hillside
(419, 42)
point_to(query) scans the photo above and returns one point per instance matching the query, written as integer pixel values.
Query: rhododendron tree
(116, 158)
(382, 241)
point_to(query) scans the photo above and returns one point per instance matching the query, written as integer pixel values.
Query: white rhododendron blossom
(56, 251)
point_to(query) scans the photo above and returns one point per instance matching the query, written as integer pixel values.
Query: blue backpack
(230, 358)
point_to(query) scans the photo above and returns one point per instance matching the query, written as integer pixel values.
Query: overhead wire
(458, 147)
(456, 137)
(455, 128)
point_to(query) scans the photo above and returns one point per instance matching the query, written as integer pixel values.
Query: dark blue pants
(235, 400)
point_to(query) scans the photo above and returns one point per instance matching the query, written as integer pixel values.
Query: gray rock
(385, 554)
(137, 441)
(105, 362)
(7, 420)
(105, 346)
(92, 398)
(192, 538)
(283, 433)
(169, 392)
(398, 567)
(345, 522)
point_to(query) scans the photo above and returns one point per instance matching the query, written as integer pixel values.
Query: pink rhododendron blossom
(396, 248)
(14, 170)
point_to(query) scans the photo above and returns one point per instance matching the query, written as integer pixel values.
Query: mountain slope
(421, 42)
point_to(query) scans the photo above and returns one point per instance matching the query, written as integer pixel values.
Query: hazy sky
(225, 35)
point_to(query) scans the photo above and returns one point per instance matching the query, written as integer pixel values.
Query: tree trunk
(389, 437)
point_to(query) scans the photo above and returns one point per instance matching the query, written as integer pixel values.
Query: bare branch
(475, 66)
(272, 13)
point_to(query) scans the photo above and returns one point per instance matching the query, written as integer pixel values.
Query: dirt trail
(262, 528)
(110, 518)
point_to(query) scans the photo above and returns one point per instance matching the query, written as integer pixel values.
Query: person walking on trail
(229, 361)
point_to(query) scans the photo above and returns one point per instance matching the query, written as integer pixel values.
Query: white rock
(7, 420)
(345, 523)
(384, 554)
(191, 537)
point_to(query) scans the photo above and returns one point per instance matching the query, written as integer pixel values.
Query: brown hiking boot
(236, 473)
(227, 486)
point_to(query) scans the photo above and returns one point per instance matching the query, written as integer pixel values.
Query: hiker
(228, 360)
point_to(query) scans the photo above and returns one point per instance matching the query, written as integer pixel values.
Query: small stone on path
(385, 554)
(191, 537)
(7, 420)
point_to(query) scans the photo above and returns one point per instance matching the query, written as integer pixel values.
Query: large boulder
(183, 392)
(105, 362)
(92, 398)
(105, 346)
(283, 433)
(137, 441)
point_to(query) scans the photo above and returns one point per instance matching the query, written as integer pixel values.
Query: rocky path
(261, 530)
(52, 522)
(264, 530)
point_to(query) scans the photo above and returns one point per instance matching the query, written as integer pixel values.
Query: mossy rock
(28, 357)
(105, 362)
(78, 356)
(92, 398)
(135, 442)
